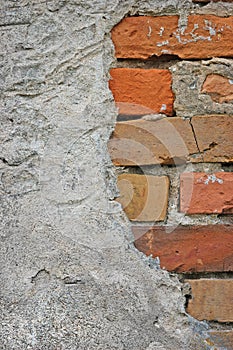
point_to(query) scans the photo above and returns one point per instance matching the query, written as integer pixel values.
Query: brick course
(142, 37)
(206, 248)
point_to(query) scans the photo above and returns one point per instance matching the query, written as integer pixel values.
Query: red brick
(188, 248)
(144, 36)
(202, 193)
(216, 146)
(218, 87)
(141, 142)
(212, 300)
(143, 197)
(142, 91)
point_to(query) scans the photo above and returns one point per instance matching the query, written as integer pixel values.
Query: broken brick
(219, 88)
(205, 248)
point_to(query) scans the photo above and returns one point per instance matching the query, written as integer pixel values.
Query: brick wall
(173, 151)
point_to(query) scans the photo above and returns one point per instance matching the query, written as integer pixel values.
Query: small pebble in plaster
(193, 85)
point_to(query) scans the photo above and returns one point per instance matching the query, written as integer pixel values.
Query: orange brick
(215, 146)
(142, 91)
(143, 197)
(141, 142)
(212, 300)
(188, 248)
(144, 36)
(202, 193)
(218, 87)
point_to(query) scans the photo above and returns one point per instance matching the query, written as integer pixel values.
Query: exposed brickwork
(202, 193)
(144, 198)
(219, 88)
(142, 91)
(212, 300)
(144, 36)
(196, 98)
(188, 248)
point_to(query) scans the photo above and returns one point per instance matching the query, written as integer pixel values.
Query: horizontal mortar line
(205, 275)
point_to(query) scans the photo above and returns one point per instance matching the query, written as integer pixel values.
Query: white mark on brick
(230, 81)
(210, 27)
(161, 31)
(149, 31)
(213, 178)
(166, 51)
(163, 107)
(163, 43)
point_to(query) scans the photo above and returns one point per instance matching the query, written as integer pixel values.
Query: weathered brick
(219, 88)
(188, 248)
(142, 142)
(214, 138)
(212, 300)
(222, 339)
(143, 197)
(142, 91)
(204, 36)
(202, 193)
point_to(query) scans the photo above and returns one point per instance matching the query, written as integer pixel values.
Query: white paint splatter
(166, 51)
(213, 178)
(163, 43)
(163, 107)
(210, 27)
(161, 31)
(150, 31)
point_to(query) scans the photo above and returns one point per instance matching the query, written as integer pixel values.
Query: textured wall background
(70, 278)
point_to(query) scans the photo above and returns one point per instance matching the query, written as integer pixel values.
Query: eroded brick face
(219, 88)
(202, 193)
(144, 198)
(143, 142)
(205, 248)
(205, 36)
(211, 299)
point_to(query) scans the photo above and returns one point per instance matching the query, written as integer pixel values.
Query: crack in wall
(195, 138)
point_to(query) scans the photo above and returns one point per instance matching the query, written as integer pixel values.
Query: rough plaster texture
(70, 278)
